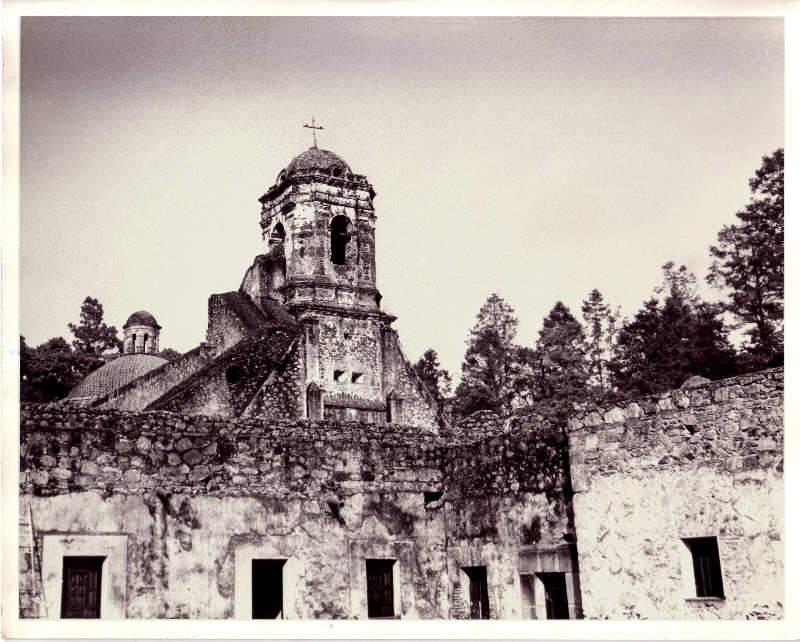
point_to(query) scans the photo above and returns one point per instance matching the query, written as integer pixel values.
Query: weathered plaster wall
(703, 461)
(194, 496)
(419, 406)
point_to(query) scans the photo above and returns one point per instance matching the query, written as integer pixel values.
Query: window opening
(380, 588)
(478, 593)
(267, 589)
(144, 349)
(133, 342)
(340, 235)
(278, 233)
(356, 376)
(337, 374)
(432, 496)
(705, 562)
(555, 595)
(233, 374)
(80, 587)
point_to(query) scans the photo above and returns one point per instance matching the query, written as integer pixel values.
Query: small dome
(141, 317)
(316, 158)
(116, 374)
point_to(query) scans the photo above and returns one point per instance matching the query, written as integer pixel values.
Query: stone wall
(149, 387)
(189, 500)
(702, 461)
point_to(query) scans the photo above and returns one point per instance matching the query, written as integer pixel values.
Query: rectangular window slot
(267, 589)
(380, 589)
(432, 496)
(337, 374)
(705, 563)
(555, 595)
(80, 587)
(478, 593)
(356, 376)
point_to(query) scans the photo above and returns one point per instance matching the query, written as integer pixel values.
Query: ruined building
(294, 466)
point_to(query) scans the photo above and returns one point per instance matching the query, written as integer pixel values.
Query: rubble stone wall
(695, 462)
(196, 497)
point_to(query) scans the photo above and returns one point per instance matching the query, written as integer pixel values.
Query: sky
(538, 158)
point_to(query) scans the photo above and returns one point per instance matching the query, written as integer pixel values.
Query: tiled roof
(115, 374)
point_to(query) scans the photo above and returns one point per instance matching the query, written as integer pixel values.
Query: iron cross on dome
(313, 127)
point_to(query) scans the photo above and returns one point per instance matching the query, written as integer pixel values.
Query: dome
(316, 158)
(116, 374)
(142, 317)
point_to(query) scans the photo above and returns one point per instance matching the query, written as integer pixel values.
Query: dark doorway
(380, 588)
(80, 587)
(478, 593)
(268, 589)
(555, 595)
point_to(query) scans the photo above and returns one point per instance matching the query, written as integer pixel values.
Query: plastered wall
(697, 462)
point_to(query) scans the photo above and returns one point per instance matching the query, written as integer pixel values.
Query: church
(294, 466)
(304, 336)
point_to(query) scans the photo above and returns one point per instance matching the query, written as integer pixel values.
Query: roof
(141, 317)
(115, 374)
(315, 158)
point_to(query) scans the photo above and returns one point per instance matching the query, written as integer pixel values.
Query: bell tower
(318, 220)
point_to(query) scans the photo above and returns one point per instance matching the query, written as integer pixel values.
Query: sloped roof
(116, 374)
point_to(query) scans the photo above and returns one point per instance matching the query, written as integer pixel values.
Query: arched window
(340, 235)
(133, 342)
(144, 348)
(278, 234)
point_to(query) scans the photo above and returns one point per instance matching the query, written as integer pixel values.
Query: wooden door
(80, 587)
(380, 589)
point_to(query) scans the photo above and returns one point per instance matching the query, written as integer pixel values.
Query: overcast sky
(538, 158)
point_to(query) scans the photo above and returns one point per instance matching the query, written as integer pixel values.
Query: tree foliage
(670, 340)
(49, 371)
(748, 261)
(169, 354)
(601, 328)
(92, 335)
(555, 373)
(488, 369)
(436, 378)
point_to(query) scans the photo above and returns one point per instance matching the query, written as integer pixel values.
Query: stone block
(193, 457)
(183, 444)
(62, 474)
(90, 468)
(143, 444)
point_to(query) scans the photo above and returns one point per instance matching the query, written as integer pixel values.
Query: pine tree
(488, 369)
(561, 368)
(749, 263)
(601, 322)
(671, 340)
(92, 335)
(436, 378)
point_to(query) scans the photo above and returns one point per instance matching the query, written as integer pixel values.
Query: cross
(313, 127)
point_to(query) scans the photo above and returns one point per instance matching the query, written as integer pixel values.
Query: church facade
(294, 466)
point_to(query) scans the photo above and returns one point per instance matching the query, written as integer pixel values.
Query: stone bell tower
(318, 227)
